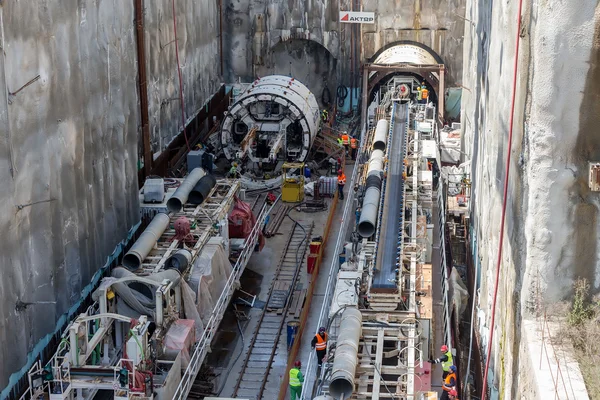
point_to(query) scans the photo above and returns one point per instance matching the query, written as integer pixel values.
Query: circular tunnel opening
(433, 97)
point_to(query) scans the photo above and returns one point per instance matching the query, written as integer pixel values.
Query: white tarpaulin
(450, 146)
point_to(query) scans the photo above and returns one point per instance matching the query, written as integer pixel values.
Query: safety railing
(444, 264)
(309, 382)
(202, 346)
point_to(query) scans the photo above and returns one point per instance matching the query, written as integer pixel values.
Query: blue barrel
(292, 331)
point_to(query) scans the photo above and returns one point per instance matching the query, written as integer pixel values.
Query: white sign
(352, 17)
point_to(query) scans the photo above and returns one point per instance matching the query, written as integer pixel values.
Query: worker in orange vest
(319, 343)
(345, 141)
(354, 147)
(424, 93)
(450, 383)
(341, 183)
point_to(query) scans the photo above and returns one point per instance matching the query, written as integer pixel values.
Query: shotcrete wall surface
(551, 224)
(198, 44)
(69, 143)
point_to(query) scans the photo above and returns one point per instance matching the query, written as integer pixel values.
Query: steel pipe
(381, 135)
(346, 355)
(179, 261)
(140, 249)
(202, 189)
(371, 200)
(180, 197)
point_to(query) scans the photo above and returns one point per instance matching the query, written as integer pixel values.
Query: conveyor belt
(390, 238)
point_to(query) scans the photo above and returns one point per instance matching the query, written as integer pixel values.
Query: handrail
(202, 346)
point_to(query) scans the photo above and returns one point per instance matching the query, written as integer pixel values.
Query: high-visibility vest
(448, 381)
(294, 380)
(353, 143)
(446, 364)
(321, 342)
(340, 142)
(345, 139)
(419, 93)
(424, 94)
(342, 179)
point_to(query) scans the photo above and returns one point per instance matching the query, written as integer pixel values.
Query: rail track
(256, 367)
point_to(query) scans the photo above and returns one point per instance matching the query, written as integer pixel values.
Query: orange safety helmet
(444, 348)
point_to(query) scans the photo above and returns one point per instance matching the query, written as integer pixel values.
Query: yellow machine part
(292, 189)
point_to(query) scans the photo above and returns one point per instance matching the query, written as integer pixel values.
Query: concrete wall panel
(198, 41)
(69, 146)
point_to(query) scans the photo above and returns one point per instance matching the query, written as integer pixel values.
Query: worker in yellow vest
(419, 94)
(319, 343)
(354, 147)
(445, 359)
(296, 379)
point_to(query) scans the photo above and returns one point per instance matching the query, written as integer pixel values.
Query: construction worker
(424, 93)
(341, 183)
(319, 342)
(354, 147)
(324, 115)
(449, 384)
(419, 95)
(296, 379)
(445, 359)
(340, 142)
(233, 171)
(453, 395)
(345, 141)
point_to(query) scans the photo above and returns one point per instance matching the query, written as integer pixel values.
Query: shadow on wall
(587, 148)
(307, 61)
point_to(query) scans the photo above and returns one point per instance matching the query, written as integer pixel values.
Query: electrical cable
(504, 199)
(236, 359)
(187, 143)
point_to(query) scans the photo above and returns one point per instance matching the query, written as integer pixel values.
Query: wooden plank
(300, 304)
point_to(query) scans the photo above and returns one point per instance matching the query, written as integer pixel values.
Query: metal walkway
(256, 368)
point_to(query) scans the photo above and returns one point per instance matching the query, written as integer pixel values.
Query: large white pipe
(381, 135)
(180, 197)
(345, 360)
(142, 247)
(370, 205)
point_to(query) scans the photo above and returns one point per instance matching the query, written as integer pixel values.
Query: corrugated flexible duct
(370, 205)
(180, 197)
(345, 361)
(140, 249)
(381, 135)
(202, 189)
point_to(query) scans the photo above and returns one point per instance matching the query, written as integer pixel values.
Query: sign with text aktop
(352, 17)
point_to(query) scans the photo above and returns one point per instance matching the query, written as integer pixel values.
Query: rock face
(552, 223)
(69, 142)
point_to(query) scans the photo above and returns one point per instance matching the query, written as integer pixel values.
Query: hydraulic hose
(504, 199)
(342, 93)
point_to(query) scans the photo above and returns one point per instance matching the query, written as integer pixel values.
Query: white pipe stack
(345, 361)
(381, 135)
(370, 205)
